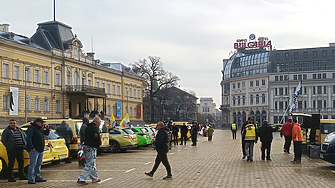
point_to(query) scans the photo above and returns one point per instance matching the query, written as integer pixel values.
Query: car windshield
(128, 131)
(327, 128)
(53, 135)
(330, 137)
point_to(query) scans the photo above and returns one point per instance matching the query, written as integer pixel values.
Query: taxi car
(58, 146)
(104, 136)
(142, 135)
(121, 139)
(4, 159)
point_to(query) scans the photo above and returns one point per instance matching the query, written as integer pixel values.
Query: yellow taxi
(4, 158)
(74, 124)
(47, 154)
(58, 146)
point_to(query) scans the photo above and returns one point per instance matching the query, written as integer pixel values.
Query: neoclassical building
(260, 82)
(49, 75)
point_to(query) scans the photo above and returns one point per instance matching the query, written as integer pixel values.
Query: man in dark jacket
(183, 134)
(162, 148)
(194, 134)
(265, 134)
(92, 142)
(287, 132)
(35, 147)
(13, 138)
(175, 131)
(82, 130)
(66, 132)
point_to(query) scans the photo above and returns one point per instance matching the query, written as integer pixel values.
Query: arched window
(257, 99)
(263, 98)
(251, 99)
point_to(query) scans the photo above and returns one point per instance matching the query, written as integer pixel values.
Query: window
(315, 54)
(277, 56)
(319, 103)
(108, 88)
(319, 76)
(325, 104)
(286, 56)
(16, 72)
(325, 89)
(97, 84)
(251, 84)
(285, 77)
(243, 100)
(233, 85)
(333, 88)
(281, 78)
(276, 78)
(233, 101)
(57, 79)
(314, 106)
(37, 105)
(113, 89)
(257, 99)
(126, 92)
(281, 105)
(251, 99)
(243, 84)
(263, 82)
(83, 81)
(238, 100)
(257, 82)
(138, 93)
(28, 104)
(5, 102)
(319, 89)
(68, 78)
(46, 104)
(285, 90)
(130, 92)
(324, 53)
(314, 76)
(37, 76)
(281, 91)
(324, 75)
(295, 77)
(131, 112)
(27, 70)
(89, 82)
(299, 77)
(118, 90)
(263, 98)
(134, 93)
(45, 77)
(276, 105)
(5, 70)
(314, 90)
(304, 76)
(305, 55)
(58, 106)
(238, 85)
(276, 91)
(295, 55)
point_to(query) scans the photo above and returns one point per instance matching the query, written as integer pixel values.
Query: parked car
(150, 130)
(59, 150)
(142, 135)
(121, 139)
(327, 149)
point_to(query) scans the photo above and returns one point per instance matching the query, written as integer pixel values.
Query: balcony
(86, 91)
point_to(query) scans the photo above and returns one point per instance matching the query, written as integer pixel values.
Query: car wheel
(3, 171)
(114, 146)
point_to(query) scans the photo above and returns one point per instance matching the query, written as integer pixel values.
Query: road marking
(147, 163)
(105, 180)
(130, 170)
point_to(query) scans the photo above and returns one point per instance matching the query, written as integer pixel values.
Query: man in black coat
(66, 132)
(194, 134)
(183, 133)
(265, 134)
(162, 148)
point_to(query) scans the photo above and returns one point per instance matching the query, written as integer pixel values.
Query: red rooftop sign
(252, 43)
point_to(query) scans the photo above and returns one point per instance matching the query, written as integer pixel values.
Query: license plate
(321, 155)
(134, 139)
(105, 139)
(61, 156)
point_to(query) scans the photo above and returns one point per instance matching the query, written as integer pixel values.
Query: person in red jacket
(287, 132)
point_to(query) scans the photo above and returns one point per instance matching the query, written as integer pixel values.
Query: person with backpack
(249, 137)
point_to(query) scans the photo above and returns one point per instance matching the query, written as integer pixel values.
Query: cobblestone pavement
(209, 164)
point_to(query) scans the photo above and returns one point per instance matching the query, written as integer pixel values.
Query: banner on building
(118, 109)
(14, 101)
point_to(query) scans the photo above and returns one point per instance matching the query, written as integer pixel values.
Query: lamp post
(25, 94)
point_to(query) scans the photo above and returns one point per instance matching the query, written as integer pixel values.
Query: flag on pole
(112, 122)
(125, 121)
(295, 98)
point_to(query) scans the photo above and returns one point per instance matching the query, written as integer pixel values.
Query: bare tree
(155, 77)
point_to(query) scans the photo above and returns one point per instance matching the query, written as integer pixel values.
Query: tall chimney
(4, 27)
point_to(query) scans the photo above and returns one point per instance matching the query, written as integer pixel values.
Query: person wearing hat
(35, 147)
(66, 132)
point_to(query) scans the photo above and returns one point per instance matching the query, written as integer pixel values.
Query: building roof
(53, 34)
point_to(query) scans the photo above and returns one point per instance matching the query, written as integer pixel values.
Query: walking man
(249, 136)
(162, 148)
(265, 134)
(249, 121)
(175, 132)
(14, 141)
(297, 142)
(233, 129)
(194, 134)
(183, 131)
(66, 132)
(92, 142)
(210, 132)
(287, 132)
(35, 146)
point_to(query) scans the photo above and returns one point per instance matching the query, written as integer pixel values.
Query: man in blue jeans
(35, 147)
(92, 142)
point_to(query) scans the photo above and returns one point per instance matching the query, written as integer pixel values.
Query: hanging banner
(138, 108)
(118, 109)
(14, 101)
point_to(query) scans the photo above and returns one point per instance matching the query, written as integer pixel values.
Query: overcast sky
(191, 36)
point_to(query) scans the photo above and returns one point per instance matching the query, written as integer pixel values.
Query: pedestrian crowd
(250, 134)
